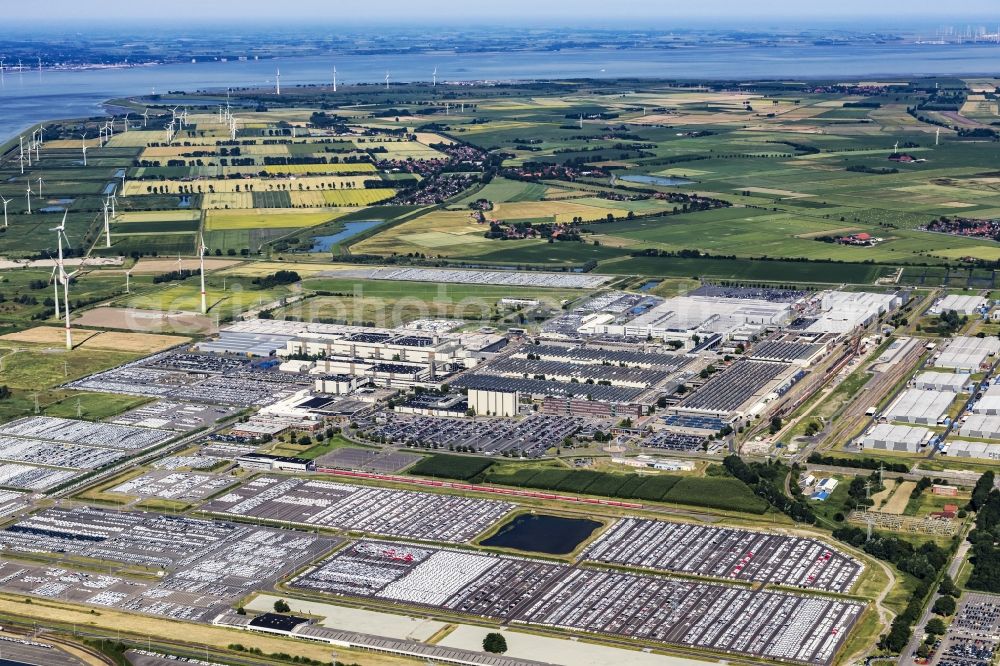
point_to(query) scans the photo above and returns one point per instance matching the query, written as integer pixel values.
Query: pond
(351, 229)
(666, 181)
(541, 533)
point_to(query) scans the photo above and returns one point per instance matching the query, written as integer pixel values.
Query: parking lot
(400, 513)
(772, 625)
(722, 552)
(173, 415)
(173, 485)
(107, 435)
(29, 477)
(456, 276)
(381, 461)
(530, 437)
(768, 624)
(195, 378)
(206, 565)
(974, 635)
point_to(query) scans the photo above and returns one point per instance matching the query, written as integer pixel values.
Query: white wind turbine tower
(60, 235)
(126, 122)
(107, 225)
(5, 202)
(65, 279)
(201, 266)
(54, 279)
(435, 77)
(21, 155)
(28, 196)
(145, 117)
(39, 187)
(114, 200)
(128, 274)
(387, 80)
(277, 82)
(334, 78)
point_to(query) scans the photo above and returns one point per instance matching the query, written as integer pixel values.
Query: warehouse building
(888, 437)
(981, 426)
(962, 449)
(989, 403)
(966, 354)
(949, 382)
(961, 303)
(922, 407)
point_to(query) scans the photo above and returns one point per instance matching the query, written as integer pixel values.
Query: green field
(718, 493)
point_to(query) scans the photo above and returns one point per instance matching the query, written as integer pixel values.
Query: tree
(281, 606)
(948, 587)
(936, 626)
(944, 606)
(495, 642)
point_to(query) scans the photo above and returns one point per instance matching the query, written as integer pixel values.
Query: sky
(639, 12)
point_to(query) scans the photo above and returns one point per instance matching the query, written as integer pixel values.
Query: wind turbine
(435, 77)
(126, 122)
(107, 226)
(28, 196)
(54, 279)
(387, 79)
(114, 200)
(201, 266)
(65, 279)
(277, 82)
(60, 235)
(39, 187)
(145, 117)
(334, 78)
(5, 202)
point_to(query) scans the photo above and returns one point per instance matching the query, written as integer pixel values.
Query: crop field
(450, 467)
(338, 167)
(280, 218)
(719, 493)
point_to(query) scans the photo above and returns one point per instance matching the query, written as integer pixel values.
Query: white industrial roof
(917, 404)
(989, 424)
(886, 432)
(942, 381)
(961, 303)
(963, 449)
(965, 353)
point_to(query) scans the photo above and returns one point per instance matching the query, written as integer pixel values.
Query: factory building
(494, 403)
